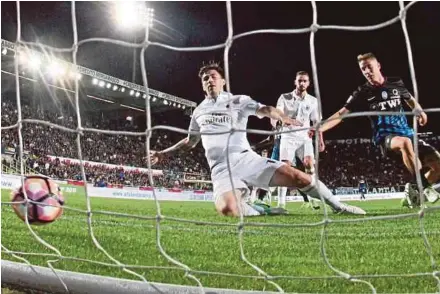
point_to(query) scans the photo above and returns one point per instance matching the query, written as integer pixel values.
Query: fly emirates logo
(216, 119)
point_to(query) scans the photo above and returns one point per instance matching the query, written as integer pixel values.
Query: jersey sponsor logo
(395, 94)
(384, 95)
(387, 105)
(216, 118)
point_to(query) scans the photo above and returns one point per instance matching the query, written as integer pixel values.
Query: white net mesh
(195, 275)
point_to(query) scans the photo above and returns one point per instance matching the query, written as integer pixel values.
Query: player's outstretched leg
(287, 176)
(227, 205)
(309, 169)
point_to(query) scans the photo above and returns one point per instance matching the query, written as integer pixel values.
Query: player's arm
(276, 114)
(414, 105)
(315, 116)
(185, 144)
(354, 103)
(334, 120)
(263, 143)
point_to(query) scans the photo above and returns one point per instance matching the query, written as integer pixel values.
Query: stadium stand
(129, 151)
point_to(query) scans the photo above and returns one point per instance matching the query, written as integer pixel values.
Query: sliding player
(234, 166)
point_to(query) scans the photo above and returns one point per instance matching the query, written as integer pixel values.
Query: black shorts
(426, 151)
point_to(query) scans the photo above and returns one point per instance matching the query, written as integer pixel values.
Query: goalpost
(51, 279)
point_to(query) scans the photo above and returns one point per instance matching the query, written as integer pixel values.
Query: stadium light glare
(174, 104)
(4, 51)
(101, 84)
(131, 92)
(144, 96)
(56, 69)
(178, 105)
(109, 85)
(165, 102)
(22, 57)
(75, 75)
(34, 62)
(95, 81)
(138, 94)
(133, 14)
(122, 89)
(183, 107)
(154, 99)
(115, 88)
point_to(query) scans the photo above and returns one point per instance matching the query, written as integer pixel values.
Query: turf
(373, 247)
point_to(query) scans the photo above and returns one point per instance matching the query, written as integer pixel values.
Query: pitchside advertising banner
(146, 193)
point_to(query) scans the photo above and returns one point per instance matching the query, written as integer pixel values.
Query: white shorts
(293, 147)
(248, 169)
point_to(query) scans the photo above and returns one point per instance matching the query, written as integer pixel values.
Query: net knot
(314, 27)
(80, 130)
(159, 217)
(228, 42)
(75, 47)
(402, 14)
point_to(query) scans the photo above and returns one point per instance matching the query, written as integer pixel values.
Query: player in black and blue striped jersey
(392, 132)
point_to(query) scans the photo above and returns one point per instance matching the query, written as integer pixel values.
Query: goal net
(106, 244)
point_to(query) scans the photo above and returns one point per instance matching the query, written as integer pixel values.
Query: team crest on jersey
(307, 107)
(384, 95)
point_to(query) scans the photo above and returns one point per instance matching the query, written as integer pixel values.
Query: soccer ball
(48, 201)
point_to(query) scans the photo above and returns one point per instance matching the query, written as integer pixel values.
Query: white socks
(253, 197)
(282, 192)
(312, 191)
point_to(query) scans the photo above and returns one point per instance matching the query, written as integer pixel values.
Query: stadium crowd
(42, 140)
(341, 165)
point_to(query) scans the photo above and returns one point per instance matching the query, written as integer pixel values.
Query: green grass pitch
(392, 246)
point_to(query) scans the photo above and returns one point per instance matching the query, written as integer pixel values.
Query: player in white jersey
(303, 108)
(234, 166)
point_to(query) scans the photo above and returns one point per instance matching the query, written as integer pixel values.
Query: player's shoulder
(237, 98)
(286, 96)
(362, 90)
(396, 81)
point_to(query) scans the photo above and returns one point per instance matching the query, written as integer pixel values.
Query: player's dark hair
(365, 56)
(302, 73)
(212, 66)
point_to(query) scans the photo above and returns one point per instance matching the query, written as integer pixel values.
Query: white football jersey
(221, 115)
(302, 109)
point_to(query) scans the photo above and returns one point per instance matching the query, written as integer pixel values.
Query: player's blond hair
(366, 56)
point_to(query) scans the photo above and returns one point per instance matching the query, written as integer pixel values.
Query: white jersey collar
(220, 96)
(296, 97)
